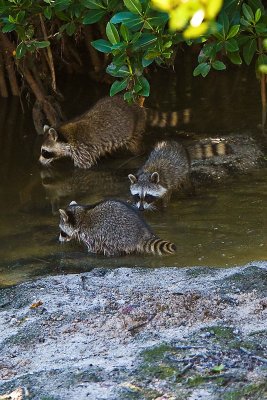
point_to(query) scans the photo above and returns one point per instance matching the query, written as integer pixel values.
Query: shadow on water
(221, 225)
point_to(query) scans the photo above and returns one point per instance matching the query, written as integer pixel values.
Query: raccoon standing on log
(167, 169)
(109, 125)
(110, 227)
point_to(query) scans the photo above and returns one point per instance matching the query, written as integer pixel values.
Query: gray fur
(111, 124)
(111, 228)
(166, 169)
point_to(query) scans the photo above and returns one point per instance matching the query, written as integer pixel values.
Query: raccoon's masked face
(146, 193)
(67, 225)
(52, 148)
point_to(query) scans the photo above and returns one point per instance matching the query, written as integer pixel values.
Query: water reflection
(221, 225)
(62, 185)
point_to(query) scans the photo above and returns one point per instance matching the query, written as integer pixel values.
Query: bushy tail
(213, 148)
(163, 119)
(159, 247)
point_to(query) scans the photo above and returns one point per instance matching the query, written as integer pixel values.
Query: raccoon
(110, 227)
(111, 124)
(167, 169)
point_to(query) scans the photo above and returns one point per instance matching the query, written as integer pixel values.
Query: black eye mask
(47, 154)
(149, 198)
(136, 197)
(63, 234)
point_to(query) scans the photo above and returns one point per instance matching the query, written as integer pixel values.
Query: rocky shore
(167, 333)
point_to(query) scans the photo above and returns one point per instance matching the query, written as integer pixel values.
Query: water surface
(221, 225)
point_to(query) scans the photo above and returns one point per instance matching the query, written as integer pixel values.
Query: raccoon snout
(141, 207)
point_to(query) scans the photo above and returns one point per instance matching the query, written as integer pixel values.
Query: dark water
(222, 225)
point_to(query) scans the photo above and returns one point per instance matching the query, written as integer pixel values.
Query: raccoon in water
(111, 124)
(166, 170)
(110, 227)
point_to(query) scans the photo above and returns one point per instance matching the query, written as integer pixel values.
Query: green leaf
(262, 59)
(125, 33)
(12, 19)
(244, 22)
(112, 33)
(93, 16)
(146, 62)
(93, 4)
(145, 87)
(224, 21)
(209, 50)
(261, 28)
(137, 88)
(20, 17)
(134, 6)
(248, 13)
(145, 40)
(235, 58)
(119, 59)
(8, 27)
(61, 5)
(118, 72)
(249, 50)
(129, 97)
(158, 19)
(231, 45)
(41, 45)
(113, 5)
(218, 65)
(135, 24)
(132, 21)
(122, 17)
(62, 16)
(202, 69)
(257, 15)
(48, 13)
(70, 28)
(21, 50)
(118, 86)
(102, 45)
(233, 31)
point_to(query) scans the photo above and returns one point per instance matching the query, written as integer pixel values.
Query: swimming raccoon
(110, 227)
(109, 125)
(167, 169)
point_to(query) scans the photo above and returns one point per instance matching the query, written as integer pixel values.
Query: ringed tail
(165, 119)
(159, 247)
(203, 151)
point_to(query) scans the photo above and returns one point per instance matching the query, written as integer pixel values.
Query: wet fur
(110, 125)
(166, 169)
(111, 228)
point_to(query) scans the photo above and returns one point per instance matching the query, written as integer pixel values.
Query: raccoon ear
(46, 128)
(64, 215)
(154, 178)
(53, 134)
(132, 178)
(73, 203)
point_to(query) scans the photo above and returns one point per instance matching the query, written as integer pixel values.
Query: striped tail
(159, 247)
(202, 151)
(163, 119)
